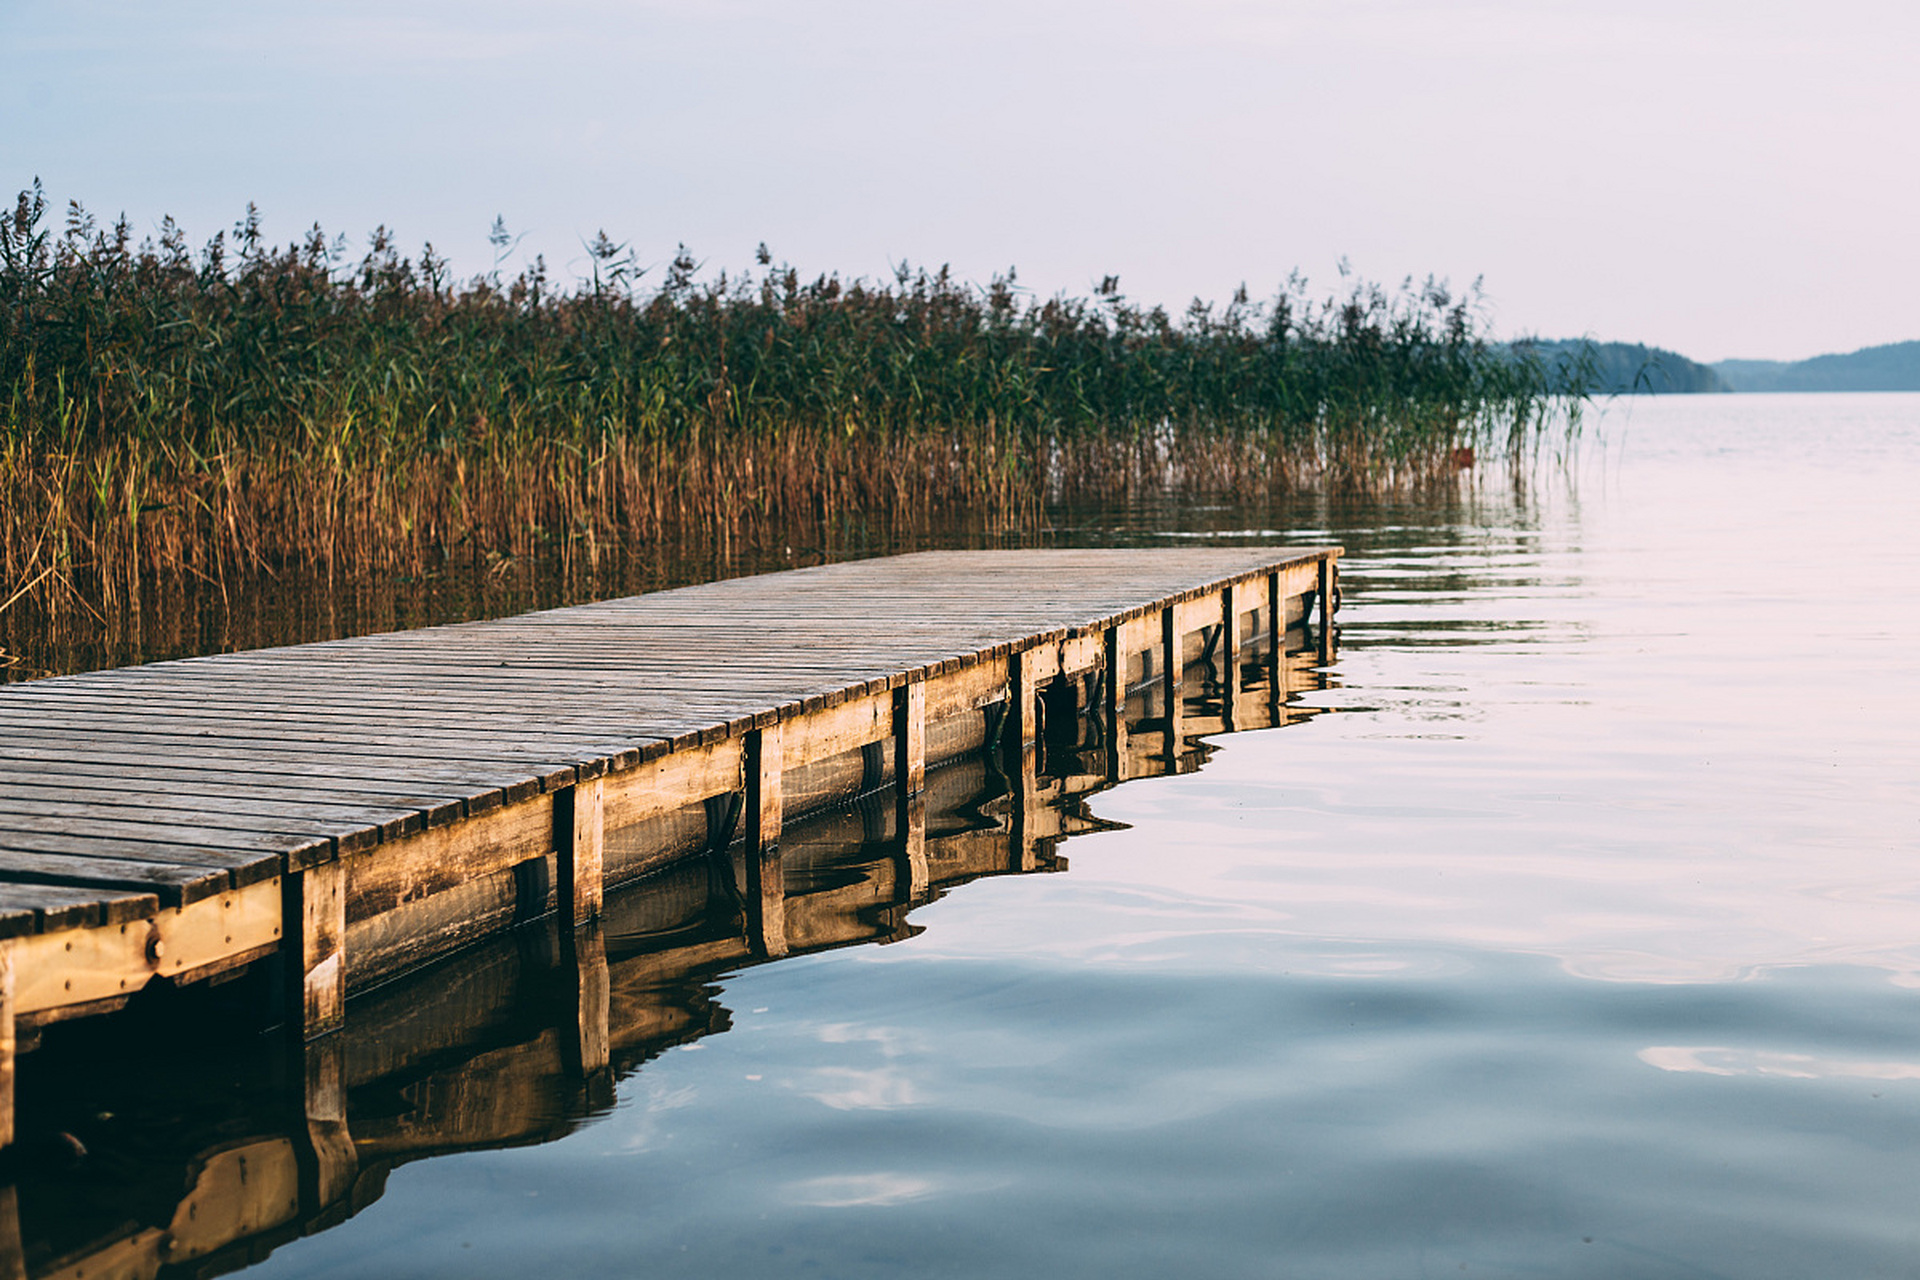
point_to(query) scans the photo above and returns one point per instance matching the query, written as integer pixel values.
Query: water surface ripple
(1583, 941)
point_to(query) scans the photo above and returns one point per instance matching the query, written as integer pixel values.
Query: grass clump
(249, 409)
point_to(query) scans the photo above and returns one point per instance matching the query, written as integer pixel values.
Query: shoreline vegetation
(248, 410)
(1585, 367)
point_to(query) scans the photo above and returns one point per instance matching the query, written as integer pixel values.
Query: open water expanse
(1579, 937)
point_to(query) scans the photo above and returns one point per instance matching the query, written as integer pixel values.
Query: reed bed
(248, 410)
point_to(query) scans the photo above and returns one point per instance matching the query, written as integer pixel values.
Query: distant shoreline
(1622, 368)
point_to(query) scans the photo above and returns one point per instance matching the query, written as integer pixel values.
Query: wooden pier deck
(359, 807)
(221, 1151)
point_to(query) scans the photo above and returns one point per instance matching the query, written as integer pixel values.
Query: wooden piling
(1325, 596)
(579, 820)
(316, 914)
(1229, 655)
(1172, 659)
(766, 881)
(1115, 658)
(909, 783)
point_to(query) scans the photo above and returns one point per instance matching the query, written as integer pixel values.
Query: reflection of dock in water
(220, 1146)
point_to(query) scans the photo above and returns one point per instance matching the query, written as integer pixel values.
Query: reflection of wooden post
(329, 1163)
(1327, 582)
(592, 988)
(1116, 657)
(1276, 649)
(1230, 657)
(6, 1046)
(911, 821)
(1021, 854)
(1171, 659)
(13, 1250)
(579, 841)
(910, 782)
(766, 882)
(314, 917)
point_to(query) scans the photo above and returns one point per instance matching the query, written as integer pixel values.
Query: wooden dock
(219, 1150)
(351, 810)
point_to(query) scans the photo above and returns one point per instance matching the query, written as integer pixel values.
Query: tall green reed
(250, 409)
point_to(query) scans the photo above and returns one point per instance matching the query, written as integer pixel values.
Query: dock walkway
(361, 806)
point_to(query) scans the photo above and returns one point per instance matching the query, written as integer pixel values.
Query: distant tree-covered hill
(1894, 367)
(1584, 367)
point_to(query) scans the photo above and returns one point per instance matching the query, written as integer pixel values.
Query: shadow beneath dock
(178, 1139)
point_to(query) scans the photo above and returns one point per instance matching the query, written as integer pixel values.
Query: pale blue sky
(1725, 178)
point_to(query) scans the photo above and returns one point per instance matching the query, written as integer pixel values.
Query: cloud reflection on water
(1724, 1060)
(860, 1190)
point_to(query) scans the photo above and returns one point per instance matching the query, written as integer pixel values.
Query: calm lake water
(1579, 937)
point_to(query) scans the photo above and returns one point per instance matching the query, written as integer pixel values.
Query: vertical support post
(1023, 700)
(1276, 616)
(579, 841)
(766, 880)
(1277, 670)
(7, 1045)
(586, 952)
(1116, 659)
(1171, 660)
(910, 738)
(910, 782)
(313, 913)
(1327, 585)
(329, 1163)
(1024, 695)
(1229, 649)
